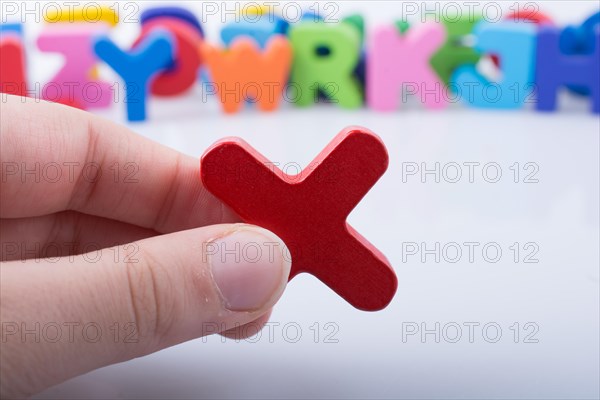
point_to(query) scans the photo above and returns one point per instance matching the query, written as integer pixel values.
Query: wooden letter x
(309, 210)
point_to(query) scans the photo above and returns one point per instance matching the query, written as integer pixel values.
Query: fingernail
(249, 268)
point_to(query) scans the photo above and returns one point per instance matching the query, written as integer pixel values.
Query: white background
(559, 294)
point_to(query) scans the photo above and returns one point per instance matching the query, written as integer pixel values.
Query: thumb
(65, 316)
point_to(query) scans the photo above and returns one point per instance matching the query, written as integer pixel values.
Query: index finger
(57, 158)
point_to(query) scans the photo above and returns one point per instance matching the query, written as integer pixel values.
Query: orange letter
(243, 72)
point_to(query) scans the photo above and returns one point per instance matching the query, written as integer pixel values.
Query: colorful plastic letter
(73, 84)
(580, 40)
(311, 16)
(183, 74)
(401, 61)
(177, 13)
(358, 22)
(325, 57)
(514, 43)
(536, 17)
(555, 69)
(261, 29)
(90, 13)
(12, 28)
(402, 25)
(526, 16)
(455, 53)
(12, 66)
(243, 72)
(137, 68)
(309, 211)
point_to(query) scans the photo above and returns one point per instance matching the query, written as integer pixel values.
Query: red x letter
(308, 211)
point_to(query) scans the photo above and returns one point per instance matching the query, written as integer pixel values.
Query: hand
(112, 249)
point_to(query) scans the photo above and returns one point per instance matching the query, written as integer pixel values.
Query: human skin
(156, 274)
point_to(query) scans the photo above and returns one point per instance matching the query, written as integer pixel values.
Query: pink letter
(397, 60)
(75, 84)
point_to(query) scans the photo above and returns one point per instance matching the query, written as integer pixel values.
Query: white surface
(560, 293)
